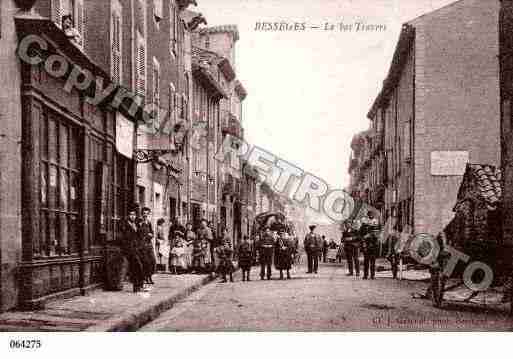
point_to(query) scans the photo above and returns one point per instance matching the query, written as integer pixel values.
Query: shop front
(77, 177)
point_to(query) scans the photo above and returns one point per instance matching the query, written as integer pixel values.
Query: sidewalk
(103, 311)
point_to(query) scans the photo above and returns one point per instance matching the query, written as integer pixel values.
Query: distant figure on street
(160, 244)
(245, 255)
(312, 249)
(350, 241)
(225, 255)
(370, 246)
(206, 235)
(146, 237)
(190, 237)
(283, 252)
(130, 247)
(324, 248)
(199, 254)
(265, 253)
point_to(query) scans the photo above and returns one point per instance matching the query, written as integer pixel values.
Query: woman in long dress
(283, 252)
(190, 237)
(147, 251)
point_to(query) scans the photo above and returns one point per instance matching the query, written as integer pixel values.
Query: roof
(398, 60)
(220, 29)
(483, 180)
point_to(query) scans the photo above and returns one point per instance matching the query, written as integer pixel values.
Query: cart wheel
(437, 287)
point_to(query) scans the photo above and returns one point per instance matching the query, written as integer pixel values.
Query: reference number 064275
(25, 344)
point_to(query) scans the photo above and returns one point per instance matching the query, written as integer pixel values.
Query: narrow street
(328, 301)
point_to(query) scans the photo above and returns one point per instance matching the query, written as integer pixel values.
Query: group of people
(200, 251)
(137, 246)
(275, 245)
(361, 235)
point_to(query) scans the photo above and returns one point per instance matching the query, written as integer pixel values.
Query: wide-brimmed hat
(179, 233)
(313, 226)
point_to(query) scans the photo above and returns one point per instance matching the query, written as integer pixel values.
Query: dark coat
(245, 254)
(283, 252)
(147, 253)
(131, 249)
(312, 243)
(266, 249)
(225, 254)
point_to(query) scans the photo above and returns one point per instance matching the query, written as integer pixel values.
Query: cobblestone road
(328, 301)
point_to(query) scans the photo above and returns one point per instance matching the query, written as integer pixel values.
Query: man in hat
(350, 241)
(265, 253)
(312, 249)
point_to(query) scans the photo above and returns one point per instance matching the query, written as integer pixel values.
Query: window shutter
(116, 45)
(80, 21)
(141, 68)
(57, 12)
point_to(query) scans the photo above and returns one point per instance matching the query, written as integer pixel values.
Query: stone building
(437, 111)
(222, 40)
(79, 94)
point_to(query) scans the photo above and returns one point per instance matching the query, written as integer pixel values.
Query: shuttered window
(56, 12)
(141, 65)
(172, 28)
(79, 21)
(116, 42)
(156, 92)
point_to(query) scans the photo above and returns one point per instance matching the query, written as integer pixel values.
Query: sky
(309, 91)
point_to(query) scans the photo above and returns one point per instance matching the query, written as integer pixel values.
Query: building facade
(81, 100)
(437, 111)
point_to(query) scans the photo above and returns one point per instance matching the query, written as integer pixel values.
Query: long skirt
(283, 259)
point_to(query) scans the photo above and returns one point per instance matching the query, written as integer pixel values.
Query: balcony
(232, 126)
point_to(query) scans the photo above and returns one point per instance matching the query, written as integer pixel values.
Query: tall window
(173, 28)
(122, 183)
(97, 157)
(60, 188)
(156, 93)
(116, 41)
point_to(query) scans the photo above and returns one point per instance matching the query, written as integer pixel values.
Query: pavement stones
(103, 311)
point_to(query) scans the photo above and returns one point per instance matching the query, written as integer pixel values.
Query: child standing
(245, 254)
(198, 255)
(225, 253)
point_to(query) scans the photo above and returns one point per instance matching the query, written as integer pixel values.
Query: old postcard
(255, 166)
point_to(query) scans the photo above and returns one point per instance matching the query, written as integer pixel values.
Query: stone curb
(147, 313)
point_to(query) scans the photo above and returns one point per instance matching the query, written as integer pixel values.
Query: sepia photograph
(256, 166)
